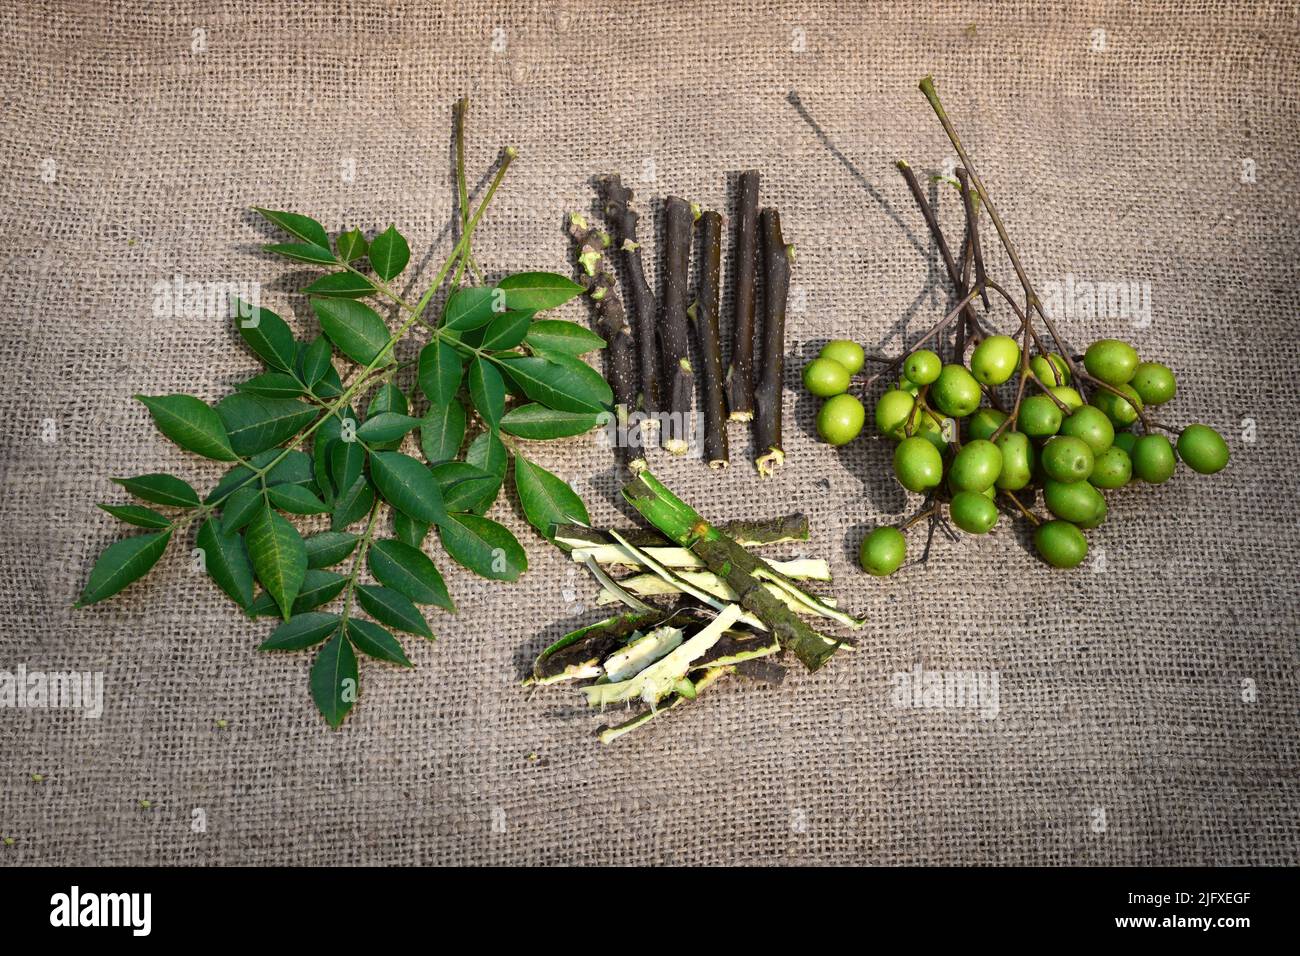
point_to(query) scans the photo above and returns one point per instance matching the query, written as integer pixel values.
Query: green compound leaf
(372, 640)
(354, 328)
(272, 385)
(138, 515)
(569, 385)
(340, 285)
(487, 391)
(506, 331)
(334, 685)
(351, 245)
(545, 498)
(389, 253)
(122, 563)
(408, 570)
(296, 500)
(483, 546)
(555, 337)
(408, 486)
(225, 558)
(539, 423)
(161, 490)
(441, 431)
(464, 486)
(267, 335)
(392, 607)
(278, 555)
(190, 423)
(255, 424)
(305, 630)
(302, 252)
(472, 308)
(441, 370)
(329, 548)
(535, 291)
(298, 226)
(318, 587)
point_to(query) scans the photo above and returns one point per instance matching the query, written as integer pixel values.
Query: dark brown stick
(706, 333)
(740, 380)
(622, 220)
(674, 327)
(768, 453)
(620, 352)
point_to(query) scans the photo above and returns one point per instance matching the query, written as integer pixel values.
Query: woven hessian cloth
(1147, 703)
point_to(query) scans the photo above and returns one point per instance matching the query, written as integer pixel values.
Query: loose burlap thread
(1147, 703)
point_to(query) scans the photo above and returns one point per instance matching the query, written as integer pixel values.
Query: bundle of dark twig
(650, 364)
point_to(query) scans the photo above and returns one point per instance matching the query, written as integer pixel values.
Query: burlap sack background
(1126, 732)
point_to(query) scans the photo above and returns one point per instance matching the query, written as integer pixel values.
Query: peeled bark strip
(768, 453)
(731, 563)
(740, 380)
(620, 352)
(622, 219)
(674, 328)
(706, 333)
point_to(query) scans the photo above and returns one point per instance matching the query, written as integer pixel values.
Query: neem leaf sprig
(298, 444)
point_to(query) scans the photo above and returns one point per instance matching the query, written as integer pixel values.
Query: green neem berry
(849, 354)
(882, 551)
(1067, 459)
(1067, 396)
(892, 412)
(1050, 369)
(1125, 440)
(1153, 459)
(1017, 461)
(1111, 361)
(1203, 449)
(1122, 411)
(973, 512)
(1112, 469)
(1061, 544)
(922, 367)
(995, 359)
(1092, 425)
(1077, 502)
(930, 427)
(976, 466)
(1039, 417)
(905, 384)
(825, 377)
(984, 423)
(1154, 382)
(955, 392)
(840, 420)
(918, 464)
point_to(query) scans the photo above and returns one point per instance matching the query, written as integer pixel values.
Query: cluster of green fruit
(1073, 450)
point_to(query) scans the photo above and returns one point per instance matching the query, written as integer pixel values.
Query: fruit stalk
(706, 333)
(674, 328)
(949, 264)
(777, 257)
(623, 219)
(730, 562)
(740, 381)
(620, 352)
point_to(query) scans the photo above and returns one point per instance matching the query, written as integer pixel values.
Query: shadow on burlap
(1147, 708)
